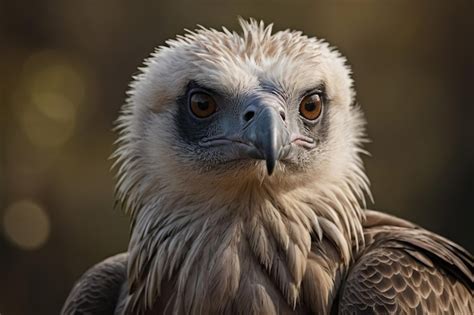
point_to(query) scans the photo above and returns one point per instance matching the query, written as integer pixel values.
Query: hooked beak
(269, 137)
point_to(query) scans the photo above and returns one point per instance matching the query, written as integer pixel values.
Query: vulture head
(218, 115)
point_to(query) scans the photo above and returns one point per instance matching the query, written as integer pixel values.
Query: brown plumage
(239, 162)
(406, 270)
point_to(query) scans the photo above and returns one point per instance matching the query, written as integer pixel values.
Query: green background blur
(64, 70)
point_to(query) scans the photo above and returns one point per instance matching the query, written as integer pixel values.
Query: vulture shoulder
(405, 269)
(98, 290)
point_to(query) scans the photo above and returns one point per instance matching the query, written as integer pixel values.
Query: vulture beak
(268, 136)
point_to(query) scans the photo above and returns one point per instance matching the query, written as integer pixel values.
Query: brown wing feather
(98, 290)
(407, 270)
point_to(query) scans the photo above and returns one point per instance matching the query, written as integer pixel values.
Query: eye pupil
(203, 105)
(310, 107)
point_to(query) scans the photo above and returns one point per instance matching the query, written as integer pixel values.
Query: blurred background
(64, 69)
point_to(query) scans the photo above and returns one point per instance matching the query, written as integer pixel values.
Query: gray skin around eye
(232, 118)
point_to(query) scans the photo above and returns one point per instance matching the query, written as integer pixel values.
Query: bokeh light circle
(26, 225)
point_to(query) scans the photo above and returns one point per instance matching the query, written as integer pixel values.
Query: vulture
(239, 163)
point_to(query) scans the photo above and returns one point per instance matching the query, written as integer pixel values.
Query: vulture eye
(202, 105)
(311, 107)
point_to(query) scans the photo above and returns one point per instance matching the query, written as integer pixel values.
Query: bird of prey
(239, 161)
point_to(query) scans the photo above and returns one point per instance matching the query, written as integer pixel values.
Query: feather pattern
(406, 270)
(204, 242)
(98, 291)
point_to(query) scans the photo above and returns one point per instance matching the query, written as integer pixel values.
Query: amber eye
(202, 105)
(311, 107)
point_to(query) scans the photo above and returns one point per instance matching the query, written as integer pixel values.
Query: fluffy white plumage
(165, 190)
(218, 235)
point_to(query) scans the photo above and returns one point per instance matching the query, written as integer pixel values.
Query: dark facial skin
(265, 124)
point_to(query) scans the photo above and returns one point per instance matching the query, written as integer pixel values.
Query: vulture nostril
(283, 115)
(249, 115)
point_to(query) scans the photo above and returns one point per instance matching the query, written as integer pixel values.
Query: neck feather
(209, 247)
